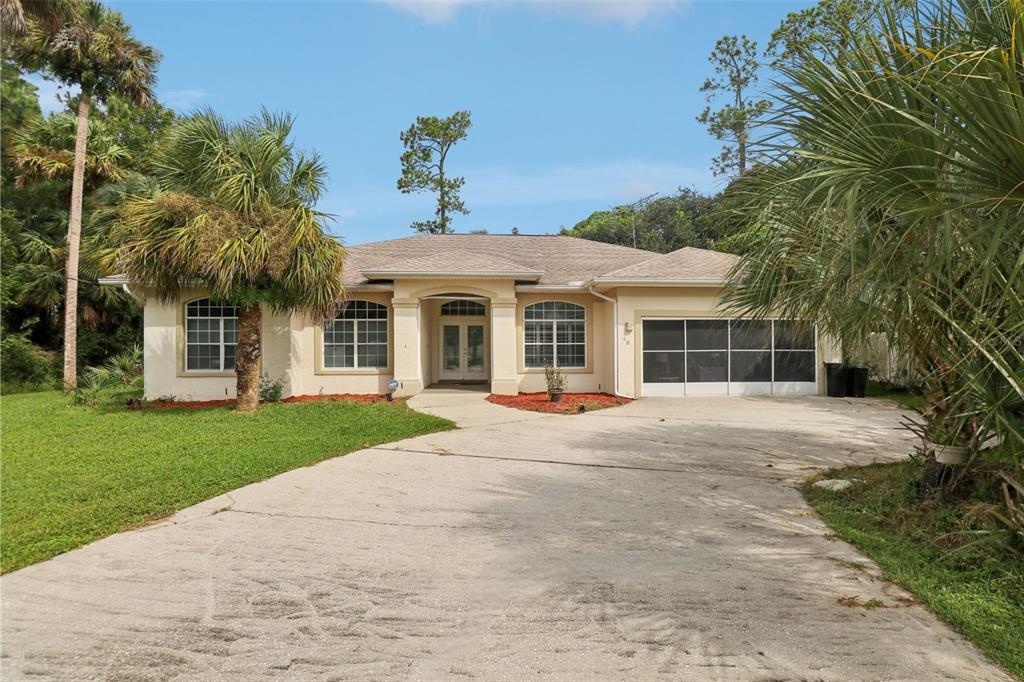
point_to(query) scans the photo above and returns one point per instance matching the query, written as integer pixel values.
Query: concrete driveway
(661, 539)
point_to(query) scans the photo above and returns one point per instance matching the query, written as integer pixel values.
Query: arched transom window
(555, 333)
(211, 333)
(357, 336)
(463, 307)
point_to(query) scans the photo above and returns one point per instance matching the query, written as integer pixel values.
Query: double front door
(463, 351)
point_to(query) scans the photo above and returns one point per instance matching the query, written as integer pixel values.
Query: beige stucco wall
(597, 375)
(292, 343)
(164, 352)
(638, 302)
(310, 377)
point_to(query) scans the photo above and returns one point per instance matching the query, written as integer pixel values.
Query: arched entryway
(459, 338)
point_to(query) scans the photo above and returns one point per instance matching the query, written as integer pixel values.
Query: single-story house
(497, 309)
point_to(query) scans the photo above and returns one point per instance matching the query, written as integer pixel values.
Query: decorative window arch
(211, 334)
(463, 307)
(357, 336)
(555, 333)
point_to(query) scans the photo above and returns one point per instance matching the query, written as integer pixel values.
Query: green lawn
(70, 475)
(914, 401)
(926, 547)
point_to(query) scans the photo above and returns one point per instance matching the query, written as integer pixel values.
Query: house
(497, 309)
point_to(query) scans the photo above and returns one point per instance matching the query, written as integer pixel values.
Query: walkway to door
(467, 405)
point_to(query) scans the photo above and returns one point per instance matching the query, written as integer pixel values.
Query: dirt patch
(361, 398)
(571, 403)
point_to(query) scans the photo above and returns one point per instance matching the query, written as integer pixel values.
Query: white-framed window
(211, 334)
(555, 333)
(357, 337)
(462, 308)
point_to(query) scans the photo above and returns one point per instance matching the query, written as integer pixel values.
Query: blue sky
(577, 105)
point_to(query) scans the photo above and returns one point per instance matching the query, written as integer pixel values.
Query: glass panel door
(475, 352)
(451, 357)
(475, 347)
(463, 352)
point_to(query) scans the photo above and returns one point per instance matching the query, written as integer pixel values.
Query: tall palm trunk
(74, 242)
(248, 356)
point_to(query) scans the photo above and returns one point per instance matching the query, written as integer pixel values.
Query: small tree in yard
(88, 45)
(235, 214)
(427, 143)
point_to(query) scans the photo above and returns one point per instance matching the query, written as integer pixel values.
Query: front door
(463, 351)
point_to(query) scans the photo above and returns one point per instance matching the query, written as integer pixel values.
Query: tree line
(119, 184)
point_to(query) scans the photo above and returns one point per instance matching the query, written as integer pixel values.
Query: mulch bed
(361, 398)
(571, 403)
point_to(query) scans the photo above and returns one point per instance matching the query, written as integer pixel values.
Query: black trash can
(835, 379)
(856, 381)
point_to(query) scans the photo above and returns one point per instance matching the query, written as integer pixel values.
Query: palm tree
(235, 213)
(893, 203)
(44, 150)
(91, 47)
(15, 15)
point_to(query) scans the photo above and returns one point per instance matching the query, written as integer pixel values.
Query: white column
(504, 348)
(406, 345)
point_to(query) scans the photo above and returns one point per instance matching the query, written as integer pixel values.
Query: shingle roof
(685, 263)
(548, 259)
(455, 263)
(562, 260)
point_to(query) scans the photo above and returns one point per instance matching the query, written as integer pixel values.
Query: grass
(71, 475)
(905, 397)
(930, 548)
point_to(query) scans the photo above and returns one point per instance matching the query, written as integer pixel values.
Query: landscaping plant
(555, 380)
(271, 390)
(234, 213)
(891, 201)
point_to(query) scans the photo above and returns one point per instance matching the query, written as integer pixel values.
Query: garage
(717, 356)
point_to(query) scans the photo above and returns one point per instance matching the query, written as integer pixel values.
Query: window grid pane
(357, 336)
(211, 336)
(554, 333)
(463, 307)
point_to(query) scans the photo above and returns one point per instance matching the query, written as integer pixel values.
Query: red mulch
(361, 398)
(570, 403)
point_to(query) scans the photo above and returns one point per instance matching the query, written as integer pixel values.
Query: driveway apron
(663, 539)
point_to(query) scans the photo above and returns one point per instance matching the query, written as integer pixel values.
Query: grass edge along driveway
(926, 547)
(71, 475)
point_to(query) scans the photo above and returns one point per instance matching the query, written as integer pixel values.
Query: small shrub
(24, 364)
(125, 367)
(554, 378)
(271, 390)
(90, 388)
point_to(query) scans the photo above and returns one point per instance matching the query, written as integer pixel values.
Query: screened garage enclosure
(728, 357)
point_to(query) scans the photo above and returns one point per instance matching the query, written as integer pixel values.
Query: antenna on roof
(633, 208)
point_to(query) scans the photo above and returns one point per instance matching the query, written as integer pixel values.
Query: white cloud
(50, 93)
(630, 13)
(184, 99)
(439, 12)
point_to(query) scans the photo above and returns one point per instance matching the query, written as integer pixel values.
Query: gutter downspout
(139, 298)
(615, 350)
